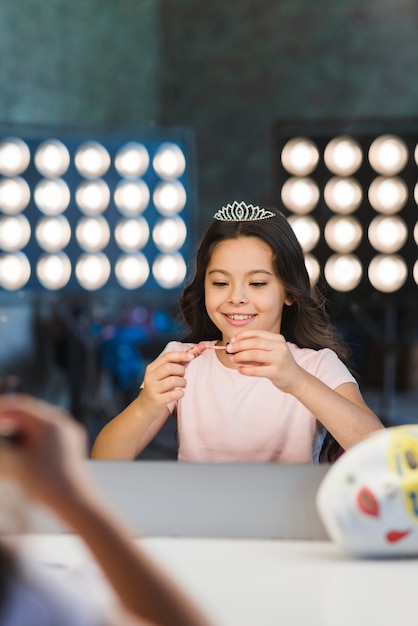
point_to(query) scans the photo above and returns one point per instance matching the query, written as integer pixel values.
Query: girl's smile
(241, 287)
(238, 319)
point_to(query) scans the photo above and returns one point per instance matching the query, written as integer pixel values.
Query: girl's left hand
(262, 353)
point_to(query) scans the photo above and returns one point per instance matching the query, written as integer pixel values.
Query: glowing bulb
(132, 270)
(92, 197)
(132, 160)
(131, 197)
(343, 272)
(14, 195)
(169, 270)
(53, 270)
(169, 198)
(92, 271)
(52, 158)
(169, 161)
(132, 234)
(14, 271)
(343, 195)
(300, 195)
(92, 233)
(52, 196)
(15, 233)
(306, 230)
(388, 155)
(92, 159)
(343, 234)
(388, 195)
(14, 156)
(313, 268)
(169, 234)
(387, 273)
(300, 156)
(343, 156)
(388, 234)
(53, 233)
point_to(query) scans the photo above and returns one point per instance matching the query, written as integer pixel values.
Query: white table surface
(251, 582)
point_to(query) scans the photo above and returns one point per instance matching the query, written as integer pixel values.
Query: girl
(274, 385)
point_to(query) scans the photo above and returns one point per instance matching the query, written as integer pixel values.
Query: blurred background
(172, 109)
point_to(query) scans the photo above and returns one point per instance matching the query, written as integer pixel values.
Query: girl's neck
(223, 357)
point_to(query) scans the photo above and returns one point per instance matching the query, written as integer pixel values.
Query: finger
(174, 394)
(255, 356)
(170, 370)
(168, 365)
(170, 383)
(253, 369)
(248, 343)
(183, 356)
(166, 392)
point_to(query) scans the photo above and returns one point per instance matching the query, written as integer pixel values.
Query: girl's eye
(219, 283)
(258, 284)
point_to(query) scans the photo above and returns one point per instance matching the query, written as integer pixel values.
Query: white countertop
(261, 582)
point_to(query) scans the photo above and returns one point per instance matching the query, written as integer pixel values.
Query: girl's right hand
(164, 382)
(127, 434)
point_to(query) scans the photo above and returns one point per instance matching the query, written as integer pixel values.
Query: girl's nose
(237, 298)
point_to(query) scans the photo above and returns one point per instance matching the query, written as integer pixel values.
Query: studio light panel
(88, 214)
(351, 196)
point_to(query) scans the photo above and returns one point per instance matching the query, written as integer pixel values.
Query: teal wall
(80, 62)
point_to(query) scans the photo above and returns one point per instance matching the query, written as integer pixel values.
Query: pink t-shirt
(226, 417)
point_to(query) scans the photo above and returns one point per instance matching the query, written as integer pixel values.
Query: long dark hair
(306, 322)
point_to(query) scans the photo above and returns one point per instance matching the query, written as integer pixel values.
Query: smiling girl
(275, 386)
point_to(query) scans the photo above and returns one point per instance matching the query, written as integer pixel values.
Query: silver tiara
(241, 212)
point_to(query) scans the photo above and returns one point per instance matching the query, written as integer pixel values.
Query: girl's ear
(288, 300)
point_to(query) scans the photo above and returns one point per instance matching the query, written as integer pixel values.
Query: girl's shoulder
(323, 363)
(312, 351)
(311, 355)
(177, 346)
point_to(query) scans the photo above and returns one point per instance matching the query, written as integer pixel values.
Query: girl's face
(242, 289)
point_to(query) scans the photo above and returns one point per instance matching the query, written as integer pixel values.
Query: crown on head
(241, 212)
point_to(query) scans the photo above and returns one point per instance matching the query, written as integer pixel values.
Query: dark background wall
(231, 68)
(225, 69)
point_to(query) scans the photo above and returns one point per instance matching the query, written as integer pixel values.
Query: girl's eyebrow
(250, 273)
(217, 271)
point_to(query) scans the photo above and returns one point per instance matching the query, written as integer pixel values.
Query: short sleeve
(332, 371)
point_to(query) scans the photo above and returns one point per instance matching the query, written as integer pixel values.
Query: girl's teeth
(240, 317)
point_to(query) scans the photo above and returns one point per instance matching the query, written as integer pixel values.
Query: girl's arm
(342, 411)
(49, 463)
(126, 435)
